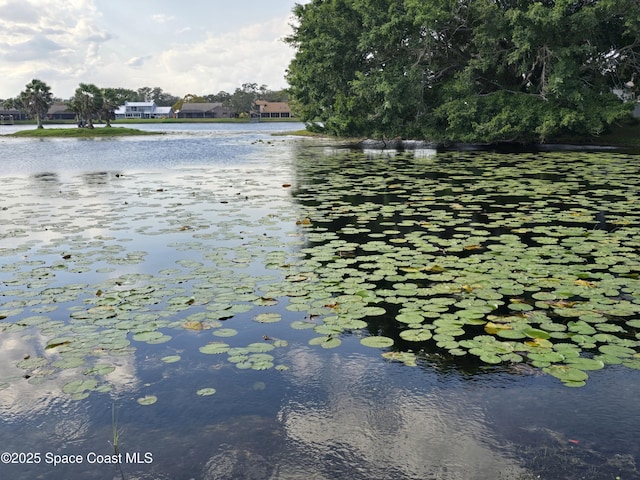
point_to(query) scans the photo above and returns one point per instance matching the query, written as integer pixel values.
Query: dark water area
(196, 306)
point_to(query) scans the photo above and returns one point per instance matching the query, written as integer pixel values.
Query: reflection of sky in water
(388, 429)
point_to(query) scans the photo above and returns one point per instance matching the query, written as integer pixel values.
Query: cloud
(18, 11)
(254, 53)
(138, 61)
(162, 18)
(65, 42)
(62, 38)
(38, 48)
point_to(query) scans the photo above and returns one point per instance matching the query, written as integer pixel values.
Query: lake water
(205, 293)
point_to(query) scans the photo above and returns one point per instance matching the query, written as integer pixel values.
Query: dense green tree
(464, 70)
(220, 97)
(243, 99)
(36, 99)
(87, 103)
(156, 95)
(188, 98)
(125, 95)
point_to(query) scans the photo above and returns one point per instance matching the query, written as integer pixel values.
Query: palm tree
(109, 104)
(37, 98)
(87, 103)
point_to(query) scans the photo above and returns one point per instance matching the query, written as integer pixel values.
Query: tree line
(465, 70)
(90, 102)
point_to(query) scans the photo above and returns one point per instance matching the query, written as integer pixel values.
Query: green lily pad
(79, 386)
(225, 332)
(214, 348)
(147, 400)
(171, 358)
(268, 317)
(326, 342)
(416, 335)
(205, 392)
(377, 341)
(567, 373)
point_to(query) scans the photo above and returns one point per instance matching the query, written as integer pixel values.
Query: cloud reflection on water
(352, 416)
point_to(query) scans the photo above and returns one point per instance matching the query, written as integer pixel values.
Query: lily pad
(214, 348)
(79, 386)
(268, 317)
(147, 400)
(377, 341)
(205, 392)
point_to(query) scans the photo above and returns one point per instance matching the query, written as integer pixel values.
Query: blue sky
(188, 46)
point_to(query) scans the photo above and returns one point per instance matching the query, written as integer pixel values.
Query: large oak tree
(465, 70)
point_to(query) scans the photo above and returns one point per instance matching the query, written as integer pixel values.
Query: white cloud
(37, 48)
(138, 61)
(57, 37)
(162, 18)
(65, 42)
(254, 53)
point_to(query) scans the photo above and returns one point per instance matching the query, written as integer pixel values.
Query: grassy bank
(81, 132)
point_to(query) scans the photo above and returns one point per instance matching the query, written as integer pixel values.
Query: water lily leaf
(259, 347)
(408, 358)
(225, 332)
(32, 363)
(147, 336)
(536, 333)
(100, 370)
(584, 363)
(416, 335)
(79, 386)
(268, 317)
(147, 400)
(302, 325)
(616, 350)
(566, 373)
(193, 325)
(377, 341)
(214, 348)
(171, 358)
(69, 362)
(326, 342)
(205, 392)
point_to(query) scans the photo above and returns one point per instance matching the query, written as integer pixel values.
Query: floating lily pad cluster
(503, 259)
(85, 281)
(507, 259)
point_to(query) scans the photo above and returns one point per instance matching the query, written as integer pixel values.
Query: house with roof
(204, 110)
(142, 110)
(60, 111)
(273, 109)
(10, 115)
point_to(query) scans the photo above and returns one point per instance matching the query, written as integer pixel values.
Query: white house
(142, 110)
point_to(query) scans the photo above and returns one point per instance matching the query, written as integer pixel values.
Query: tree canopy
(465, 70)
(36, 99)
(87, 103)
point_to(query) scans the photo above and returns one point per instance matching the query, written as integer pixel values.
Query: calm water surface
(189, 232)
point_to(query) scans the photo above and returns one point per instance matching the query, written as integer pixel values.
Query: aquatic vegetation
(501, 260)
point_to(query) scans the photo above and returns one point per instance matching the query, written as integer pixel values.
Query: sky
(184, 47)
